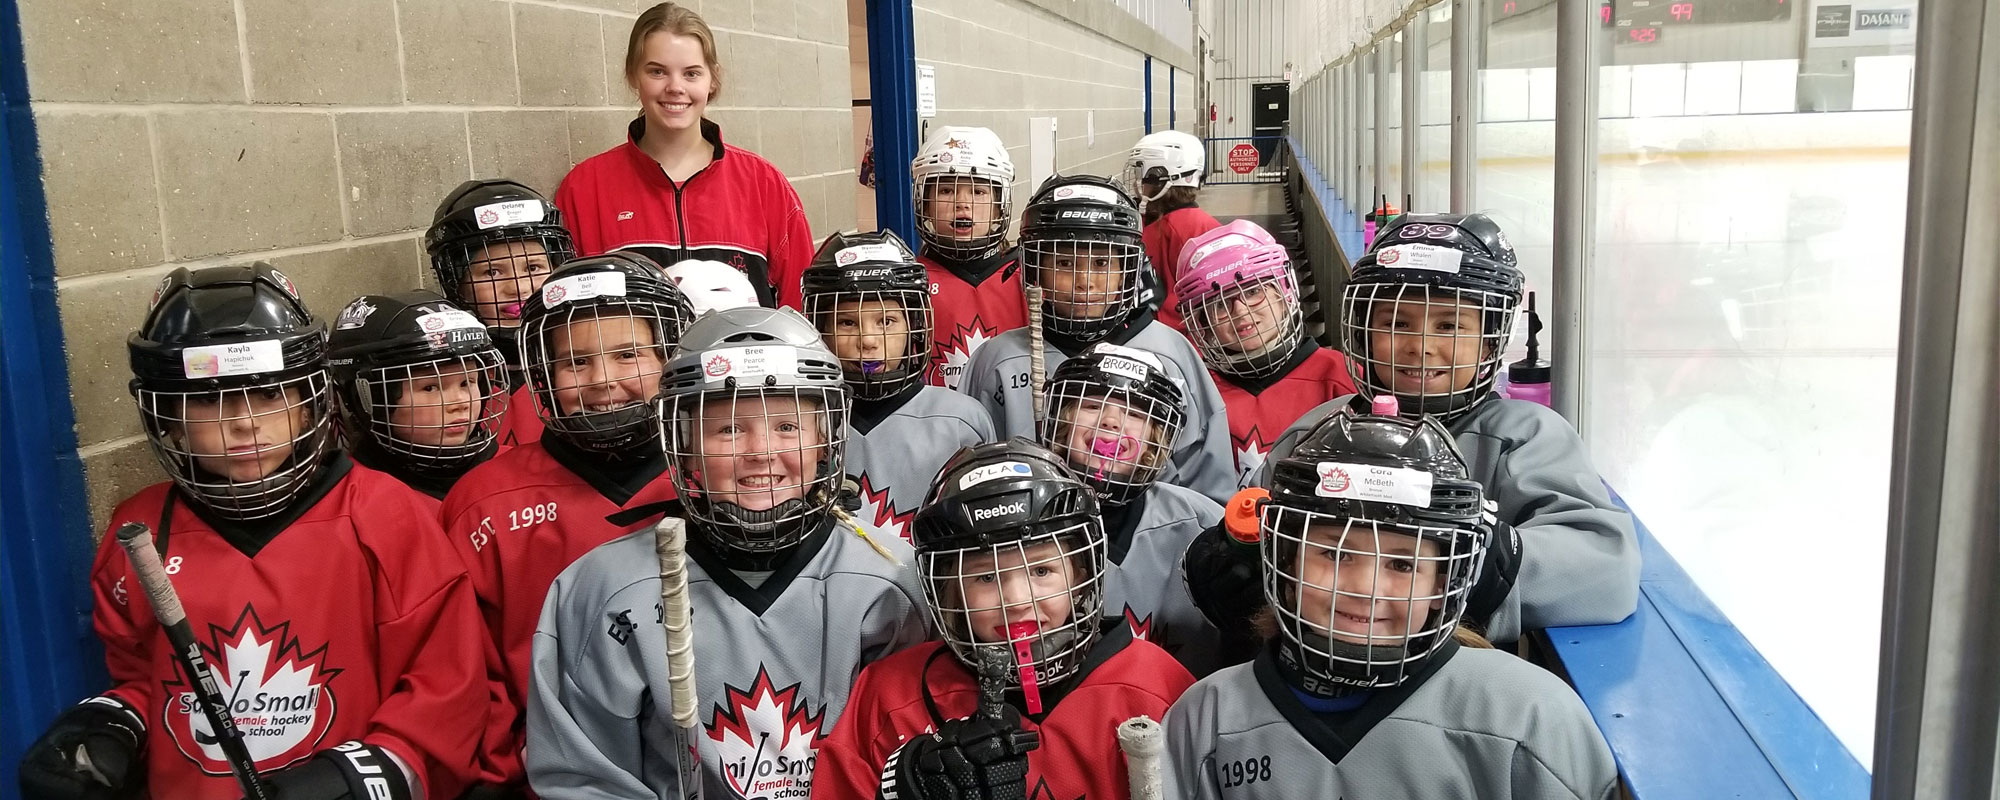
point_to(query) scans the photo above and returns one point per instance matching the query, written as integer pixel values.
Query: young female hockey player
(1113, 416)
(1371, 540)
(1164, 171)
(792, 600)
(492, 242)
(321, 591)
(1007, 536)
(1080, 242)
(1240, 304)
(596, 339)
(712, 286)
(964, 195)
(673, 190)
(866, 293)
(422, 389)
(1426, 317)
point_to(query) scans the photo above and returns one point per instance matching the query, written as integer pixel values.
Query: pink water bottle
(1528, 378)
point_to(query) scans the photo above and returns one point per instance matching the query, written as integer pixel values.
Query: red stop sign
(1242, 159)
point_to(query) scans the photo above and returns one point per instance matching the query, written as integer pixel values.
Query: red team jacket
(517, 521)
(522, 425)
(738, 210)
(1164, 239)
(972, 303)
(1259, 412)
(1078, 756)
(354, 622)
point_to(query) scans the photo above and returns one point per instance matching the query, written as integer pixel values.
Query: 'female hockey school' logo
(766, 740)
(277, 693)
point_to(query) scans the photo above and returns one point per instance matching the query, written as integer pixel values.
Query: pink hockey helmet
(1227, 277)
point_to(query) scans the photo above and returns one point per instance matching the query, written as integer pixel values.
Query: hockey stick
(1035, 379)
(1143, 741)
(670, 544)
(137, 539)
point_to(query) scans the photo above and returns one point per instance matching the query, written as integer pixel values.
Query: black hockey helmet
(616, 284)
(1081, 234)
(871, 268)
(1358, 491)
(397, 359)
(1419, 265)
(234, 348)
(1113, 417)
(475, 226)
(991, 505)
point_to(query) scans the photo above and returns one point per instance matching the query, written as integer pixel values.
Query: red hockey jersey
(1164, 239)
(1260, 411)
(738, 210)
(353, 622)
(973, 302)
(518, 521)
(1078, 756)
(523, 424)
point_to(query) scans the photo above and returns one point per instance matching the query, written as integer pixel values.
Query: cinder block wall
(319, 135)
(1000, 62)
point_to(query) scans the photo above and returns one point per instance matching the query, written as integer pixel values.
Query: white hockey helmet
(958, 152)
(712, 285)
(1171, 157)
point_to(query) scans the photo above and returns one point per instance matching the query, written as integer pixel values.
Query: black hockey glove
(967, 759)
(1496, 579)
(489, 791)
(90, 752)
(349, 771)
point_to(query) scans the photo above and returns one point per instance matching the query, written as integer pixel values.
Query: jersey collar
(1003, 259)
(1336, 734)
(1255, 386)
(618, 481)
(784, 569)
(1125, 331)
(870, 413)
(250, 536)
(1121, 525)
(710, 132)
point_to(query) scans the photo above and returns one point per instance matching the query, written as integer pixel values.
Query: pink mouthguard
(512, 310)
(1020, 634)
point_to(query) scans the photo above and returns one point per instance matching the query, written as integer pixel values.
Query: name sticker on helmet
(1419, 256)
(1087, 192)
(583, 287)
(448, 319)
(991, 472)
(511, 212)
(225, 360)
(1374, 483)
(880, 251)
(1128, 361)
(749, 362)
(1210, 248)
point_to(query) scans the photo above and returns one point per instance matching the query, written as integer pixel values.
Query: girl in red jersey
(964, 192)
(1164, 172)
(1013, 556)
(1241, 305)
(673, 191)
(329, 607)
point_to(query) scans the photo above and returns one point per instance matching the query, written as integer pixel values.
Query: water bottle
(1528, 378)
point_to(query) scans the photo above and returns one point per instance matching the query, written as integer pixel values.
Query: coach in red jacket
(673, 191)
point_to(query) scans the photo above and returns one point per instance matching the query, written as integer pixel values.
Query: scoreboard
(1645, 21)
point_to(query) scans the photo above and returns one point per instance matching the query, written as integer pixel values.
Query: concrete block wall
(1001, 62)
(319, 136)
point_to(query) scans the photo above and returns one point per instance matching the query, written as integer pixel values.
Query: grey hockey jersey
(773, 665)
(1202, 459)
(1146, 585)
(1482, 724)
(896, 447)
(1579, 552)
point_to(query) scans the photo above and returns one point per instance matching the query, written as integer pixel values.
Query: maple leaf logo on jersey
(880, 514)
(1250, 454)
(1043, 792)
(1143, 628)
(766, 740)
(277, 691)
(957, 352)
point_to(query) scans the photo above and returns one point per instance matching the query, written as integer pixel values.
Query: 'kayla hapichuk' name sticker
(226, 360)
(1374, 483)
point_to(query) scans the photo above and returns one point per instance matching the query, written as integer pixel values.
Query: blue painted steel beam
(892, 87)
(50, 657)
(1149, 94)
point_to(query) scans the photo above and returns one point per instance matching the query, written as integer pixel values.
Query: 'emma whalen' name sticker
(226, 360)
(1419, 256)
(1374, 483)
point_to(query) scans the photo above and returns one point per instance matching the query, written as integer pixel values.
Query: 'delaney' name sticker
(991, 472)
(750, 362)
(1374, 483)
(225, 360)
(1419, 256)
(511, 212)
(583, 287)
